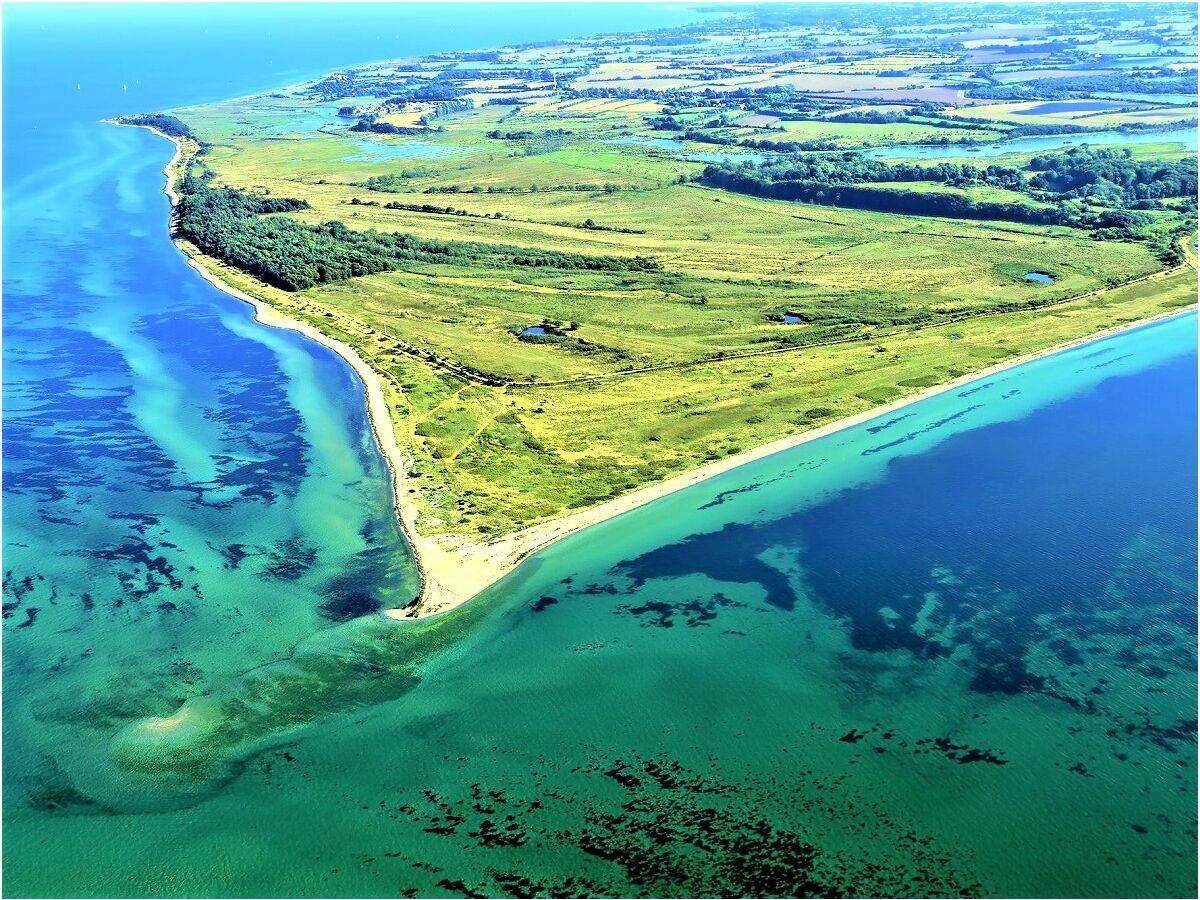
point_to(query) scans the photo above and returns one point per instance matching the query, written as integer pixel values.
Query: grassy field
(655, 372)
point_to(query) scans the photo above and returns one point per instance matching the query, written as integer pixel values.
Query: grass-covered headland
(584, 267)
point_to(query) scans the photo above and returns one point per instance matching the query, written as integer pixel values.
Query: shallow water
(949, 650)
(399, 148)
(1184, 136)
(737, 156)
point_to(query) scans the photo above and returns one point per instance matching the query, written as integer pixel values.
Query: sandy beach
(453, 570)
(465, 569)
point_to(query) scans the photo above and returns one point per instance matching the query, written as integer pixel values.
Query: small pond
(306, 120)
(533, 330)
(1185, 136)
(1039, 277)
(373, 149)
(705, 156)
(792, 319)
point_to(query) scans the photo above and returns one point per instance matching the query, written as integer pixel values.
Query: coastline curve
(451, 571)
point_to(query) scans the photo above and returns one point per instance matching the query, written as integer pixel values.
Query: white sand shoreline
(377, 412)
(497, 559)
(453, 570)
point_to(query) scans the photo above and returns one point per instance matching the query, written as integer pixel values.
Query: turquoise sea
(948, 651)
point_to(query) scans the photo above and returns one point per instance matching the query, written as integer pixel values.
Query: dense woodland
(235, 226)
(1105, 190)
(168, 125)
(1112, 177)
(1165, 82)
(1086, 188)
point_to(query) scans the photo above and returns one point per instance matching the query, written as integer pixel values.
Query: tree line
(160, 122)
(1113, 177)
(236, 227)
(1103, 190)
(878, 199)
(1166, 81)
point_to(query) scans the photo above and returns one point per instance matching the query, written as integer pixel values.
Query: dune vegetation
(581, 268)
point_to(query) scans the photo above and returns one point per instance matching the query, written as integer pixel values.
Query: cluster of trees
(1038, 130)
(765, 144)
(926, 114)
(445, 107)
(665, 123)
(590, 225)
(435, 210)
(369, 124)
(525, 135)
(393, 182)
(895, 200)
(160, 122)
(229, 224)
(233, 226)
(1166, 81)
(607, 187)
(522, 75)
(1102, 190)
(771, 146)
(668, 122)
(338, 85)
(557, 260)
(341, 85)
(1112, 177)
(854, 168)
(437, 91)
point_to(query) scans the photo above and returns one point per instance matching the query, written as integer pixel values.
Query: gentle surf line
(453, 570)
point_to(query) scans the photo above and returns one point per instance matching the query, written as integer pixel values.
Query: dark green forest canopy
(1112, 176)
(1167, 81)
(234, 226)
(168, 125)
(1109, 186)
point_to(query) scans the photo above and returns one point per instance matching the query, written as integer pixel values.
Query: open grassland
(650, 372)
(491, 459)
(870, 135)
(1041, 112)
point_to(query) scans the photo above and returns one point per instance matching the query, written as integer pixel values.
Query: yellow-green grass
(731, 261)
(1159, 115)
(1018, 114)
(573, 425)
(867, 134)
(980, 192)
(492, 459)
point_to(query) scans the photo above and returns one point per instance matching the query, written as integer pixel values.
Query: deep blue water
(952, 649)
(187, 494)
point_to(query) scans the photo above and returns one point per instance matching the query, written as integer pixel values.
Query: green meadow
(645, 374)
